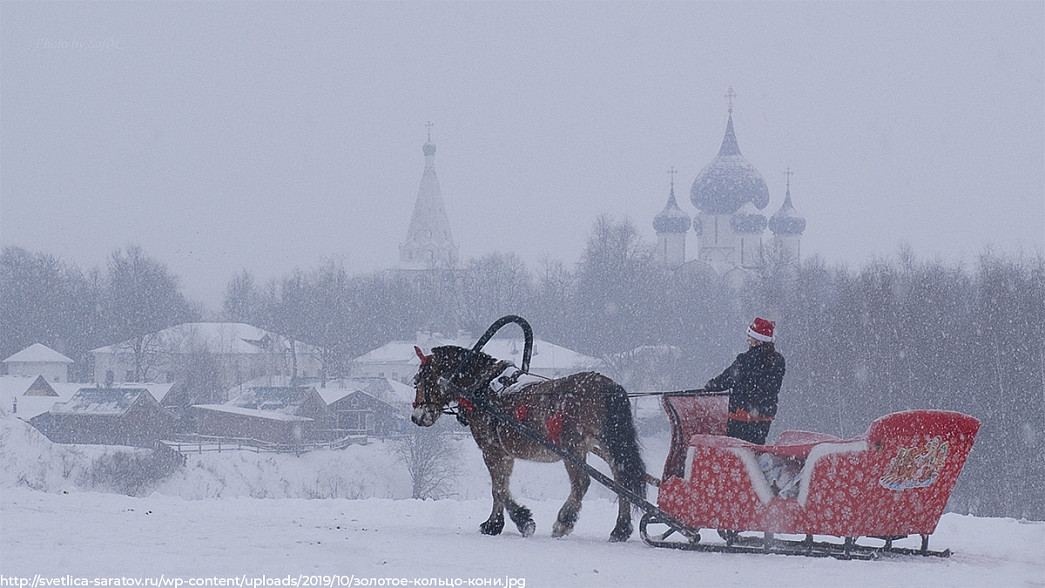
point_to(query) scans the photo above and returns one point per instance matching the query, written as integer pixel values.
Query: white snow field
(271, 520)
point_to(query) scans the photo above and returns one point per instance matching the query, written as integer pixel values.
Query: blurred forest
(893, 335)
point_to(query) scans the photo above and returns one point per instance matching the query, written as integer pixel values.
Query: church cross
(428, 125)
(730, 95)
(788, 174)
(672, 172)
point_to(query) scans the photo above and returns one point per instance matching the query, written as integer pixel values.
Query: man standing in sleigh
(754, 382)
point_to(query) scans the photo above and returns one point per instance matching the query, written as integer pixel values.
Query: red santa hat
(761, 329)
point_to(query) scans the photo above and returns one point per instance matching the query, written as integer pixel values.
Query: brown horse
(580, 413)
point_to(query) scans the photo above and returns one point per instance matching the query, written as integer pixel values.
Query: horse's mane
(452, 356)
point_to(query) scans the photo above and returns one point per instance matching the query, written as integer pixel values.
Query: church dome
(429, 148)
(787, 221)
(671, 219)
(729, 181)
(748, 220)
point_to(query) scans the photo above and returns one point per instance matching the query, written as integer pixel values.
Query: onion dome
(429, 148)
(729, 181)
(748, 220)
(671, 219)
(787, 221)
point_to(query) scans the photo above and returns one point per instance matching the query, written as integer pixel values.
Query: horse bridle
(445, 384)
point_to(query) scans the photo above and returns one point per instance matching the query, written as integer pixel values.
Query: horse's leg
(623, 529)
(519, 514)
(500, 467)
(579, 482)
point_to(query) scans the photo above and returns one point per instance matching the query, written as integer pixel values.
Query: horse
(580, 413)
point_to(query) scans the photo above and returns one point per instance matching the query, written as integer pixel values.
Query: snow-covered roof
(158, 390)
(38, 353)
(546, 356)
(253, 412)
(332, 390)
(384, 389)
(281, 399)
(100, 401)
(13, 389)
(221, 338)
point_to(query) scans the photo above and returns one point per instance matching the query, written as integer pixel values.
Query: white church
(429, 243)
(729, 195)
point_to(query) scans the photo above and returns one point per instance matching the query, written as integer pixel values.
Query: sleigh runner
(807, 494)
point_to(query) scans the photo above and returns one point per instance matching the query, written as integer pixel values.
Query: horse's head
(433, 392)
(431, 397)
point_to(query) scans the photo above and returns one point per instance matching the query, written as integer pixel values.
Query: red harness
(552, 423)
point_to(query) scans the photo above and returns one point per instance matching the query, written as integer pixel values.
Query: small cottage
(359, 413)
(39, 360)
(285, 415)
(107, 416)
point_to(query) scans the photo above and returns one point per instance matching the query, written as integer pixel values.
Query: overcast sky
(273, 136)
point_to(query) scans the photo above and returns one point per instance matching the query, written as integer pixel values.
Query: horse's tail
(621, 440)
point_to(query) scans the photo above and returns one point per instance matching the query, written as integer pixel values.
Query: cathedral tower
(720, 191)
(429, 243)
(671, 226)
(787, 227)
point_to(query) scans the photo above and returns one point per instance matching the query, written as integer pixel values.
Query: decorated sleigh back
(692, 414)
(892, 481)
(897, 484)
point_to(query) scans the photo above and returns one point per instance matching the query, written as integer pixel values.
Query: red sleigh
(891, 482)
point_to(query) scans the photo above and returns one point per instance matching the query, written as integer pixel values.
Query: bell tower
(429, 243)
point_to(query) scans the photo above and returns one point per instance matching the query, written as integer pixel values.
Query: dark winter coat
(754, 380)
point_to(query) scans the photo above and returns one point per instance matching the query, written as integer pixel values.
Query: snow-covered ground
(244, 515)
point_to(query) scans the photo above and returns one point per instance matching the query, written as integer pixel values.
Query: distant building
(240, 351)
(398, 360)
(39, 360)
(429, 243)
(359, 413)
(107, 416)
(284, 415)
(729, 194)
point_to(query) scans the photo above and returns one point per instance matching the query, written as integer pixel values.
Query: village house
(240, 351)
(398, 360)
(274, 414)
(39, 360)
(360, 413)
(107, 416)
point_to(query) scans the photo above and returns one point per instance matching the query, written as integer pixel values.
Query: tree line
(894, 334)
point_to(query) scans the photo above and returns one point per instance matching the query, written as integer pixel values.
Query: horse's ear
(424, 358)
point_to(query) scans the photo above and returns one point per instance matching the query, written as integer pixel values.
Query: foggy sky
(273, 136)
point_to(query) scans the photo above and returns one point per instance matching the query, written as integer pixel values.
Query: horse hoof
(560, 529)
(491, 527)
(620, 535)
(527, 528)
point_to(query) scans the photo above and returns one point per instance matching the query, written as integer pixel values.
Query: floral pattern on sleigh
(894, 480)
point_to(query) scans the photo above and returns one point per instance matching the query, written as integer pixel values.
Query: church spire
(429, 243)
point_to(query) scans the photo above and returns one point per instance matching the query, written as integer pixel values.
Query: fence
(185, 444)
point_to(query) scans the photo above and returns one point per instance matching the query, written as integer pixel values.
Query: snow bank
(356, 472)
(31, 460)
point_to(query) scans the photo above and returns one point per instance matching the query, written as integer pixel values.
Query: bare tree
(142, 298)
(432, 459)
